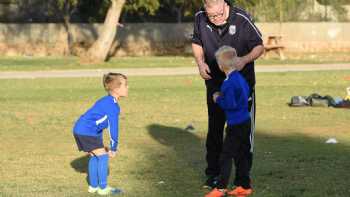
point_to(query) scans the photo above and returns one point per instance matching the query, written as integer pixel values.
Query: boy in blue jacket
(88, 132)
(233, 99)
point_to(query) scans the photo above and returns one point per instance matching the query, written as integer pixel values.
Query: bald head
(211, 3)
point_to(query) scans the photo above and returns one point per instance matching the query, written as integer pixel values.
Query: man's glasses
(218, 15)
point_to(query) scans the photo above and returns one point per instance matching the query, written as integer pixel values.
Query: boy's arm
(113, 132)
(113, 122)
(227, 99)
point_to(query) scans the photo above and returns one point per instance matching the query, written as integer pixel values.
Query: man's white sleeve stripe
(256, 30)
(200, 12)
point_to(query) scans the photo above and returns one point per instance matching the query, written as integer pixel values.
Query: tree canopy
(177, 10)
(184, 10)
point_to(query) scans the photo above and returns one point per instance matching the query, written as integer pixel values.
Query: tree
(326, 4)
(275, 11)
(180, 8)
(64, 9)
(145, 6)
(248, 5)
(337, 6)
(100, 49)
(98, 52)
(91, 11)
(140, 9)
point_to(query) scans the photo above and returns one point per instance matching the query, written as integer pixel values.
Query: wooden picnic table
(274, 44)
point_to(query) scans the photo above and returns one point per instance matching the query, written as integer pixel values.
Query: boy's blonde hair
(112, 80)
(226, 56)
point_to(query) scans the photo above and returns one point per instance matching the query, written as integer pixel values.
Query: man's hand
(216, 95)
(111, 154)
(250, 57)
(241, 62)
(204, 71)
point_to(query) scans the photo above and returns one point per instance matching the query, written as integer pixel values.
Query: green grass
(39, 157)
(63, 63)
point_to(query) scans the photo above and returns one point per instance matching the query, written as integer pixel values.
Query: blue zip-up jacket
(234, 99)
(103, 115)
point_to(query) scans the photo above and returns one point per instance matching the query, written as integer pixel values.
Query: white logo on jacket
(232, 29)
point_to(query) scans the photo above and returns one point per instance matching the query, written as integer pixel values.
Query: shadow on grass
(81, 164)
(299, 165)
(179, 161)
(186, 145)
(284, 165)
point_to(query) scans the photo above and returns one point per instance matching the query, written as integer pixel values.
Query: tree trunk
(178, 13)
(99, 50)
(64, 15)
(69, 40)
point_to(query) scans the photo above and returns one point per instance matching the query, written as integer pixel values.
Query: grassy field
(157, 157)
(62, 63)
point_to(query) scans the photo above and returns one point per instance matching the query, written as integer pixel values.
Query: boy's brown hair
(112, 80)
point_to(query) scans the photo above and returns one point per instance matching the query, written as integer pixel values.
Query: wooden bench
(273, 44)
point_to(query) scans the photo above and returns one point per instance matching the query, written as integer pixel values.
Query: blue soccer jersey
(234, 99)
(104, 114)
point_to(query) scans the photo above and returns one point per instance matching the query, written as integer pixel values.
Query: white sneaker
(108, 191)
(92, 189)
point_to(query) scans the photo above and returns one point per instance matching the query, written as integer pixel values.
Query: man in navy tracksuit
(233, 99)
(218, 24)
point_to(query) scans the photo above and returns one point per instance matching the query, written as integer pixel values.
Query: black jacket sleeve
(252, 35)
(196, 37)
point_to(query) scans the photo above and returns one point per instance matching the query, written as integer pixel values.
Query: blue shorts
(88, 143)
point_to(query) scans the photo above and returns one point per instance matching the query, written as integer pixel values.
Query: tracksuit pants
(236, 147)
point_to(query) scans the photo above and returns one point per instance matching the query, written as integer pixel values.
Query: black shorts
(88, 143)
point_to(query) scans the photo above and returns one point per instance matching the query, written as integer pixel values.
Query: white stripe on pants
(252, 115)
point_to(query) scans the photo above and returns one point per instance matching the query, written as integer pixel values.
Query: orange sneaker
(240, 192)
(216, 193)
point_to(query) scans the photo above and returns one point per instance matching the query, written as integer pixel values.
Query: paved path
(160, 71)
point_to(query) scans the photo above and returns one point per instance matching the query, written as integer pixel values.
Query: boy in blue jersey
(88, 132)
(233, 99)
